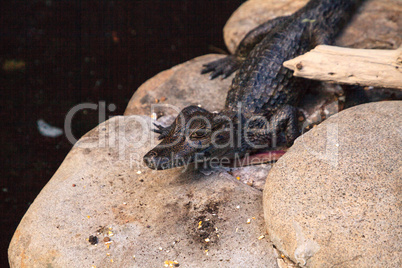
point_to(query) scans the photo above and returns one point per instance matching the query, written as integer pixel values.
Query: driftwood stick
(367, 67)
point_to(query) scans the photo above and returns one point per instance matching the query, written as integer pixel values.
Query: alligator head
(196, 135)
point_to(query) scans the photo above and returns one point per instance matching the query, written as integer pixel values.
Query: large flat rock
(149, 217)
(334, 199)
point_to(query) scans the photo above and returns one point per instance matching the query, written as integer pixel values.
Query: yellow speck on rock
(169, 263)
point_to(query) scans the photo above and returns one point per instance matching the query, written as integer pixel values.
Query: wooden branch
(367, 67)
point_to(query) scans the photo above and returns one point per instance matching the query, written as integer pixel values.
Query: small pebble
(93, 240)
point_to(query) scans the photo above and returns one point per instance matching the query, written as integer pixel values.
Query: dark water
(57, 54)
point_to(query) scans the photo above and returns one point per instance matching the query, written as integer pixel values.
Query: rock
(377, 24)
(334, 199)
(179, 87)
(103, 206)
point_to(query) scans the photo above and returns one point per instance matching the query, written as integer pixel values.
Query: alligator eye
(199, 134)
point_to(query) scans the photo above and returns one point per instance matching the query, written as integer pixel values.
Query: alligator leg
(231, 63)
(266, 135)
(285, 120)
(225, 66)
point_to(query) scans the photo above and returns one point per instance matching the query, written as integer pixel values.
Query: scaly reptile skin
(263, 95)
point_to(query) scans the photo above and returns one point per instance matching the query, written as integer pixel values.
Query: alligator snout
(150, 159)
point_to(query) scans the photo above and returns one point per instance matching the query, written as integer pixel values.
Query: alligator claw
(157, 131)
(160, 127)
(161, 130)
(225, 67)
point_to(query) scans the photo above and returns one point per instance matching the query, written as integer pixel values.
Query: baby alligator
(261, 101)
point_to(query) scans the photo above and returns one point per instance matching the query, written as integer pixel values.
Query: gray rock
(334, 199)
(140, 217)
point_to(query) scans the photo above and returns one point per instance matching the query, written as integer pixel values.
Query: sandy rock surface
(334, 199)
(378, 24)
(140, 217)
